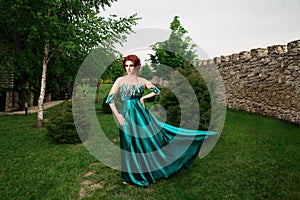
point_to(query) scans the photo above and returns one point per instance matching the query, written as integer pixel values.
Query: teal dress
(151, 149)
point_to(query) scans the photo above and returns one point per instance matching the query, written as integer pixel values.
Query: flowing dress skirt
(151, 149)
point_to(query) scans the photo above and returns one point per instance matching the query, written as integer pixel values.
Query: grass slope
(256, 157)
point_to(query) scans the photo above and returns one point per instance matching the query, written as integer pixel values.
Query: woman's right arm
(110, 100)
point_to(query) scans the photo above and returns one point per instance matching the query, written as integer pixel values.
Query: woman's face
(129, 67)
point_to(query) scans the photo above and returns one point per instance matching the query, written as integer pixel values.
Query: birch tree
(66, 29)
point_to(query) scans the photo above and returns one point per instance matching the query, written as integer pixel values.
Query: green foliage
(113, 71)
(175, 52)
(178, 53)
(204, 99)
(183, 112)
(146, 72)
(105, 107)
(70, 28)
(61, 127)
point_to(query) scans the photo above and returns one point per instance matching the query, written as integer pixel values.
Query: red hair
(133, 58)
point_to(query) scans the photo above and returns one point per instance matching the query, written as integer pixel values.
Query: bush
(170, 102)
(61, 127)
(105, 107)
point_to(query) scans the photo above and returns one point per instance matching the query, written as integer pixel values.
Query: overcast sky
(221, 27)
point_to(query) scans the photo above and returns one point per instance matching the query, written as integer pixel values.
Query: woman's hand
(142, 102)
(120, 119)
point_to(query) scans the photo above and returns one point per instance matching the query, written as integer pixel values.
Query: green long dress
(151, 149)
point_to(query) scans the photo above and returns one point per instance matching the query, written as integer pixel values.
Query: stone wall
(264, 81)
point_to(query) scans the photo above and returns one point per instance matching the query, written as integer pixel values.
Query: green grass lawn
(256, 157)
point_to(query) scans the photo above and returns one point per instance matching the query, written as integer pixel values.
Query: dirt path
(34, 109)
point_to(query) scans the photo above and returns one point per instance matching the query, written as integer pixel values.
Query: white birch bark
(40, 115)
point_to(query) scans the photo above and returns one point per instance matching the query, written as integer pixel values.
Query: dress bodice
(131, 91)
(128, 91)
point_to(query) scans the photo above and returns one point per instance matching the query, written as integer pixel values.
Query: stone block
(259, 52)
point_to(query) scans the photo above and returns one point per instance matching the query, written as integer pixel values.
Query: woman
(150, 149)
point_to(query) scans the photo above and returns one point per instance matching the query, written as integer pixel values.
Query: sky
(220, 27)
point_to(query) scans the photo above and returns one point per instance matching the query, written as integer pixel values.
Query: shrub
(61, 127)
(105, 107)
(170, 102)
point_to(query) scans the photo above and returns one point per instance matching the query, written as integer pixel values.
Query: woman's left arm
(154, 92)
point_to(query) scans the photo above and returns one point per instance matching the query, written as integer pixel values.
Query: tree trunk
(98, 91)
(40, 115)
